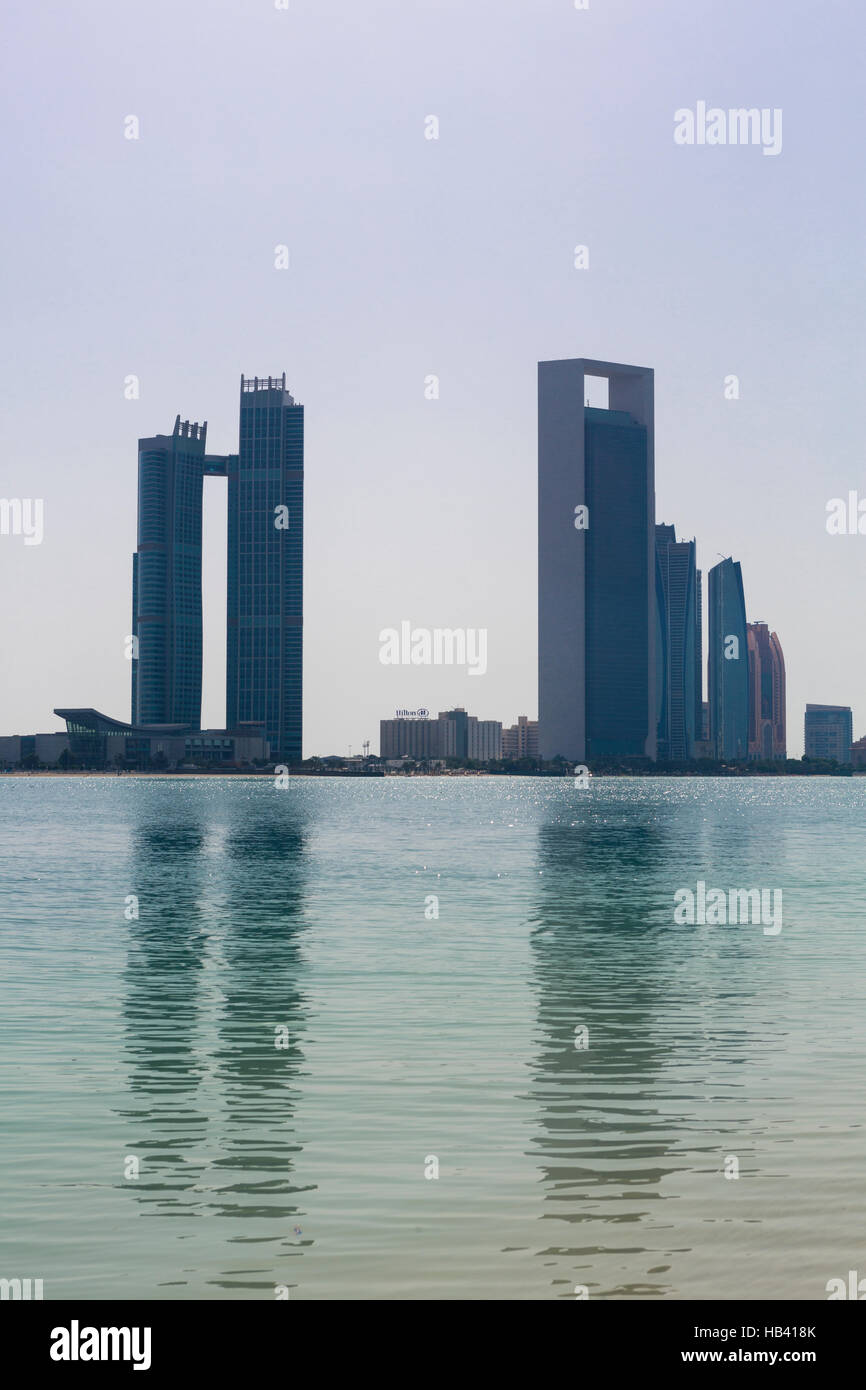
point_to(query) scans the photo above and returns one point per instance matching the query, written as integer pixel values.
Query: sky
(306, 127)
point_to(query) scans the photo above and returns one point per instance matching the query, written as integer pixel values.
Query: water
(409, 1039)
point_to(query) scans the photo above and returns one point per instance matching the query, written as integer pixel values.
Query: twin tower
(264, 612)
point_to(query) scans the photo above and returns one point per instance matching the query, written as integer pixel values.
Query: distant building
(97, 741)
(858, 753)
(454, 734)
(418, 739)
(521, 740)
(45, 749)
(829, 732)
(597, 608)
(766, 693)
(460, 719)
(264, 620)
(264, 642)
(678, 645)
(728, 662)
(166, 578)
(485, 739)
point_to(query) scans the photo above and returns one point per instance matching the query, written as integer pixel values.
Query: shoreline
(409, 776)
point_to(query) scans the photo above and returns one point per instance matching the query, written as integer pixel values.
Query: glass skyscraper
(597, 608)
(728, 662)
(678, 668)
(166, 578)
(264, 640)
(264, 649)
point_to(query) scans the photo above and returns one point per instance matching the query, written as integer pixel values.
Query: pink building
(766, 693)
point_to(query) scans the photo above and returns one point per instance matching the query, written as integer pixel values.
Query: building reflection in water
(604, 1144)
(214, 1018)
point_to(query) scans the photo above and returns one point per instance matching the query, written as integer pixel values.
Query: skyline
(591, 452)
(433, 773)
(411, 257)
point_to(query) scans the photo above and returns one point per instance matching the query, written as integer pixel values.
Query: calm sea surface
(283, 1045)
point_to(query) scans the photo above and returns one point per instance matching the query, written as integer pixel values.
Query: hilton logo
(412, 713)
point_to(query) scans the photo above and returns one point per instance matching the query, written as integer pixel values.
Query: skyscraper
(728, 662)
(766, 693)
(166, 578)
(264, 640)
(264, 646)
(678, 660)
(597, 607)
(699, 658)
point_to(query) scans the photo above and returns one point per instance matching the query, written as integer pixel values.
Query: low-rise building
(42, 750)
(98, 741)
(829, 732)
(453, 734)
(521, 740)
(485, 740)
(858, 754)
(418, 739)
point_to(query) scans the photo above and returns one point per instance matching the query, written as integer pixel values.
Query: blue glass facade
(264, 639)
(264, 658)
(166, 578)
(679, 621)
(618, 581)
(661, 661)
(728, 663)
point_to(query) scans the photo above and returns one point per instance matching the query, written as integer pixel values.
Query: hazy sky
(409, 256)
